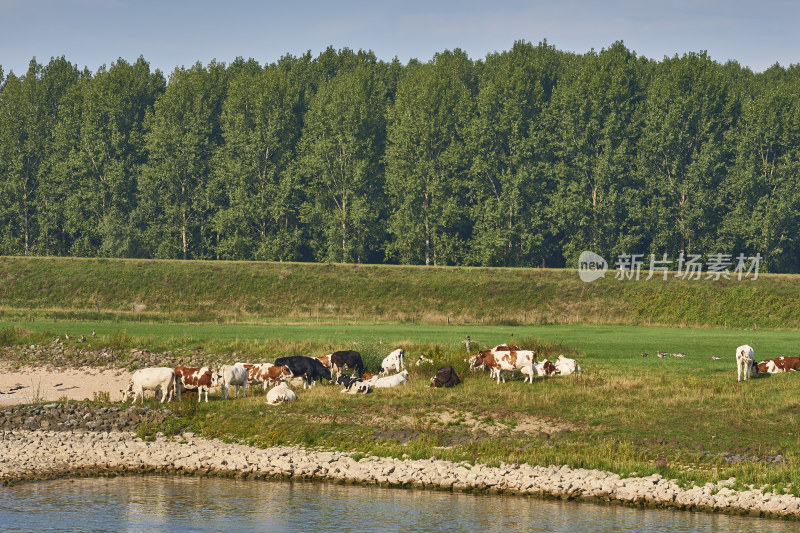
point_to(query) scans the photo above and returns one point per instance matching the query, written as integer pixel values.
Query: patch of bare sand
(29, 384)
(520, 424)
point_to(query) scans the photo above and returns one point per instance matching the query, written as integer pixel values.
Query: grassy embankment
(228, 292)
(625, 413)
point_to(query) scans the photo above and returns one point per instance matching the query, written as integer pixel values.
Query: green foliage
(524, 158)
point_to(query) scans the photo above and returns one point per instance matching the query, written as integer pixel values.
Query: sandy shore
(28, 384)
(35, 455)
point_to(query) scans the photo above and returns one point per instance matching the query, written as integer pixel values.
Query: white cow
(745, 362)
(391, 381)
(233, 376)
(395, 360)
(422, 360)
(154, 379)
(566, 366)
(281, 393)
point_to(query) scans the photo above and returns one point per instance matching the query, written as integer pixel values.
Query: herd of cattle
(171, 382)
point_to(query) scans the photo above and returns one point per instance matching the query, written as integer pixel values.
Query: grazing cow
(200, 379)
(473, 366)
(745, 362)
(545, 368)
(395, 360)
(233, 376)
(325, 360)
(484, 360)
(308, 367)
(392, 381)
(566, 366)
(505, 348)
(779, 364)
(265, 374)
(346, 359)
(445, 377)
(354, 385)
(280, 394)
(155, 379)
(507, 361)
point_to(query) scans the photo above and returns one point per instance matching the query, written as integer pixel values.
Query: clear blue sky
(171, 33)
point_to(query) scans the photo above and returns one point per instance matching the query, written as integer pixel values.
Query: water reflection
(199, 504)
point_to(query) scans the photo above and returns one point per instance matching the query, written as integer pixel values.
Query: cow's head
(479, 359)
(127, 392)
(325, 372)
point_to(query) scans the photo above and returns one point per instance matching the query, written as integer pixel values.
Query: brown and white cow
(499, 361)
(266, 374)
(545, 368)
(779, 364)
(199, 379)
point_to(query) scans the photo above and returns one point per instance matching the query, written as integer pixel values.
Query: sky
(175, 33)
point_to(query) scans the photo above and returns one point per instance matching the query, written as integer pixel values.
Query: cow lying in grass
(565, 366)
(280, 394)
(391, 381)
(354, 385)
(779, 364)
(445, 377)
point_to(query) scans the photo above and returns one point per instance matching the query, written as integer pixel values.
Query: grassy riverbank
(686, 418)
(230, 292)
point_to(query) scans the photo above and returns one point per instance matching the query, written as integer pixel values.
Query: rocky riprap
(30, 455)
(59, 354)
(78, 416)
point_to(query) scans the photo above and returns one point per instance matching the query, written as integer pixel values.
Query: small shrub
(101, 397)
(120, 339)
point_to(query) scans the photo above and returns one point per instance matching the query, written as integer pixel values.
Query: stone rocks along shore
(42, 454)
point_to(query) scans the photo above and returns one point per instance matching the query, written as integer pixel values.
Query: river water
(183, 504)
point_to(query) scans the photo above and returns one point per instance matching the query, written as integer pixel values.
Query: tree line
(524, 158)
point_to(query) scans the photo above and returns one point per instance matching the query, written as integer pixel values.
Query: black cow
(308, 367)
(346, 359)
(445, 377)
